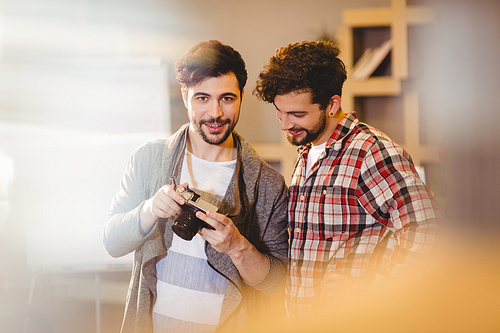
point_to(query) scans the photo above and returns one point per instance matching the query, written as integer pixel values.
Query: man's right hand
(164, 204)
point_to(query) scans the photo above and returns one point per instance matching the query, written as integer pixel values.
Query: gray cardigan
(256, 202)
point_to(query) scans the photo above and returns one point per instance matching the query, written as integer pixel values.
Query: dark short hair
(303, 67)
(210, 59)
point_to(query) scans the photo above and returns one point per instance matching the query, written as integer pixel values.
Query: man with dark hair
(357, 207)
(202, 262)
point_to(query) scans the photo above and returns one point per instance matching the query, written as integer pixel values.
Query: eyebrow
(200, 93)
(289, 112)
(230, 94)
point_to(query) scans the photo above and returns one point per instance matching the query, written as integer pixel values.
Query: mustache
(212, 120)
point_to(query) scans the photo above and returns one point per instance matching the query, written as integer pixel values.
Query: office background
(82, 83)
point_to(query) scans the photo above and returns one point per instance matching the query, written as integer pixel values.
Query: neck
(331, 125)
(209, 152)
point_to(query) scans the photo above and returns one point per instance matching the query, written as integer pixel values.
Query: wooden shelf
(370, 17)
(374, 86)
(373, 17)
(384, 101)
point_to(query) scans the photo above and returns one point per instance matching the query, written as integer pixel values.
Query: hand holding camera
(220, 232)
(166, 203)
(176, 201)
(187, 225)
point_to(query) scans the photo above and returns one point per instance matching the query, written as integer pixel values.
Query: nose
(284, 123)
(215, 110)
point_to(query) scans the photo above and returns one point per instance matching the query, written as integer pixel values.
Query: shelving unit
(384, 100)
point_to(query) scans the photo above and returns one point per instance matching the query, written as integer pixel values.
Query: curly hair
(303, 67)
(210, 59)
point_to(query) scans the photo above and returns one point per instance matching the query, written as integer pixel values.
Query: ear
(242, 93)
(334, 105)
(184, 92)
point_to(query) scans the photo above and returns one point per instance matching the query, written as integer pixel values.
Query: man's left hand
(226, 238)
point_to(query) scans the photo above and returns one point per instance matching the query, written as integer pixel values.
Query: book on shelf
(370, 60)
(361, 63)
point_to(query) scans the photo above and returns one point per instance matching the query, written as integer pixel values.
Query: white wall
(64, 93)
(83, 119)
(167, 29)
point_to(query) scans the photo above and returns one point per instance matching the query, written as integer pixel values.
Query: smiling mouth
(215, 128)
(295, 133)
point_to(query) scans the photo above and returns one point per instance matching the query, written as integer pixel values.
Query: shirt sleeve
(391, 191)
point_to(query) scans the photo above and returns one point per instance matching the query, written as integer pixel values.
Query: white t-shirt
(190, 293)
(313, 156)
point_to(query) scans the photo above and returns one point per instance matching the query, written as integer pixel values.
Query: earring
(331, 114)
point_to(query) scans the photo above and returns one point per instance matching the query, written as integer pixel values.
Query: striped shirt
(362, 209)
(190, 292)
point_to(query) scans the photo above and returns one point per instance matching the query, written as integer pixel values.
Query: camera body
(187, 225)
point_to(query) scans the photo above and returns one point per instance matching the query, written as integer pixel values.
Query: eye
(227, 99)
(202, 98)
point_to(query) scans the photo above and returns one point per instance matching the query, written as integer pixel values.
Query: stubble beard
(311, 134)
(213, 139)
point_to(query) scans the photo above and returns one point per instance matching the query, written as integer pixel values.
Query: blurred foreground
(455, 290)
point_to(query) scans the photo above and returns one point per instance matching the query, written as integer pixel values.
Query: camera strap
(175, 172)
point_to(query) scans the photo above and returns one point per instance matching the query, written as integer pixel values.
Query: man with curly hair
(357, 208)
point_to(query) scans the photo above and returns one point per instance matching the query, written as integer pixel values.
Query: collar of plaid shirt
(345, 126)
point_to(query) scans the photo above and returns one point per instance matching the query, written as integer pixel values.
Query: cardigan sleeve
(272, 215)
(121, 231)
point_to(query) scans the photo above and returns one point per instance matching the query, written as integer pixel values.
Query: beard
(310, 134)
(214, 138)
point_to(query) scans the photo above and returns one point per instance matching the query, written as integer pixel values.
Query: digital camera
(186, 225)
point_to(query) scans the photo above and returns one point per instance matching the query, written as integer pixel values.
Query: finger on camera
(165, 203)
(171, 193)
(206, 218)
(168, 212)
(185, 185)
(216, 219)
(221, 218)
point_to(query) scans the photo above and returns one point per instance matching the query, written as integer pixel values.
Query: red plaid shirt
(362, 210)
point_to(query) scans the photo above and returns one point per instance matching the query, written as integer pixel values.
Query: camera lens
(186, 225)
